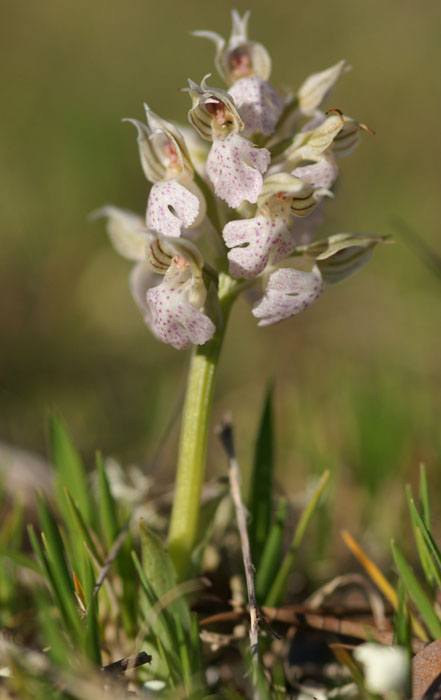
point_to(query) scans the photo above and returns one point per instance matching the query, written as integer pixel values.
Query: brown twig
(111, 558)
(376, 603)
(226, 437)
(128, 662)
(297, 615)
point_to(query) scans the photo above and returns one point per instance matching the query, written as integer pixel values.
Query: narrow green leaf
(63, 594)
(195, 645)
(47, 572)
(272, 553)
(71, 472)
(424, 497)
(436, 554)
(166, 663)
(260, 501)
(54, 545)
(38, 551)
(112, 525)
(416, 593)
(402, 621)
(92, 646)
(278, 588)
(56, 562)
(109, 518)
(52, 632)
(159, 571)
(160, 620)
(183, 655)
(430, 572)
(82, 528)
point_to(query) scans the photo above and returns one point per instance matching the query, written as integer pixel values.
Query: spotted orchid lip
(171, 208)
(234, 167)
(289, 292)
(268, 237)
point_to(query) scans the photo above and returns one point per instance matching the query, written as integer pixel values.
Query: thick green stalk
(193, 439)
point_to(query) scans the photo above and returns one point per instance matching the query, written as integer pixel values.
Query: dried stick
(299, 615)
(111, 558)
(226, 437)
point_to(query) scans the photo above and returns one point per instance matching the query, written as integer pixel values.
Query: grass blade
(380, 580)
(424, 497)
(159, 571)
(416, 593)
(431, 573)
(278, 588)
(82, 528)
(112, 526)
(109, 518)
(433, 552)
(56, 562)
(71, 472)
(92, 646)
(160, 621)
(260, 501)
(402, 623)
(272, 553)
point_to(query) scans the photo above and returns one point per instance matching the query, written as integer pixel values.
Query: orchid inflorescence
(257, 191)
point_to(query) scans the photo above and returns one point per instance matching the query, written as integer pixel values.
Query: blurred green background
(357, 376)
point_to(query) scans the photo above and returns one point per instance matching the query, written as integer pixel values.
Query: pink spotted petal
(263, 237)
(321, 174)
(288, 293)
(175, 320)
(258, 104)
(235, 168)
(171, 207)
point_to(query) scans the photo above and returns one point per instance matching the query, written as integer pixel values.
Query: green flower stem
(193, 439)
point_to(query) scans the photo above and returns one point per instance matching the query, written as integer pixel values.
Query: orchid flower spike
(271, 158)
(239, 57)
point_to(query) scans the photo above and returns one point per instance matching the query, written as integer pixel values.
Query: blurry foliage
(357, 377)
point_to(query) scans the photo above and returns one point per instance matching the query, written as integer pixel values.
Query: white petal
(317, 87)
(126, 230)
(235, 168)
(258, 104)
(163, 197)
(289, 292)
